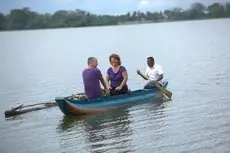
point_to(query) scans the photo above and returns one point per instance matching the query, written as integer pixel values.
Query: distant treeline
(19, 19)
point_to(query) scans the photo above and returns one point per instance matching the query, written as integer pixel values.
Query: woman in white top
(154, 73)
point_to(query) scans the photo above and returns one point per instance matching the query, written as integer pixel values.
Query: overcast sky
(99, 6)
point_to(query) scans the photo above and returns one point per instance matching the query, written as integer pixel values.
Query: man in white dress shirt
(154, 73)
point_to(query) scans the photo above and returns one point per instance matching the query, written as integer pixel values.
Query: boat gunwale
(135, 93)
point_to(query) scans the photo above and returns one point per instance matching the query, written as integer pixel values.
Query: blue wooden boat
(72, 106)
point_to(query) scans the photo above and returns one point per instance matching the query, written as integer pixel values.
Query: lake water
(37, 66)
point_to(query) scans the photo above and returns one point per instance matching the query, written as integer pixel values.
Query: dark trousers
(149, 85)
(124, 90)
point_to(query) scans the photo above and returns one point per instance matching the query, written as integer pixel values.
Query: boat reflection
(111, 131)
(108, 130)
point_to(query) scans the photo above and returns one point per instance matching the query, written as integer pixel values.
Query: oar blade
(165, 91)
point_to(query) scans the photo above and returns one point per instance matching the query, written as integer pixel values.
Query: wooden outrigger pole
(21, 109)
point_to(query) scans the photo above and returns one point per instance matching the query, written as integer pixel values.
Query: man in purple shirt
(91, 78)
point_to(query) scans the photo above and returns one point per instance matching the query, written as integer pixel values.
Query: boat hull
(71, 106)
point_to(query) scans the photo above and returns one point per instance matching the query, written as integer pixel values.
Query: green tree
(148, 15)
(216, 10)
(177, 13)
(142, 16)
(197, 11)
(20, 18)
(128, 16)
(227, 9)
(168, 14)
(40, 21)
(161, 15)
(59, 18)
(156, 16)
(25, 18)
(134, 16)
(2, 21)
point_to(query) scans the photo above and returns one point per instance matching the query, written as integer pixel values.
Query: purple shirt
(91, 80)
(116, 78)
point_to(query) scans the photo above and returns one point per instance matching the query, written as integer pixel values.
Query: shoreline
(118, 24)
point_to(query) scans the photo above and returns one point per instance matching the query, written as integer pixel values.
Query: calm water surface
(40, 65)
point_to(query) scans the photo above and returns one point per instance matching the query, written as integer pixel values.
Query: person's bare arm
(125, 78)
(104, 84)
(159, 78)
(107, 81)
(102, 80)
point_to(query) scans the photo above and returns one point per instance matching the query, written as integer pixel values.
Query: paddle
(162, 89)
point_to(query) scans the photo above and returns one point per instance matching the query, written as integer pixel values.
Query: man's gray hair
(91, 59)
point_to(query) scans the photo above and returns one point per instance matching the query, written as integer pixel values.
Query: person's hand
(107, 91)
(153, 82)
(109, 87)
(118, 88)
(138, 72)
